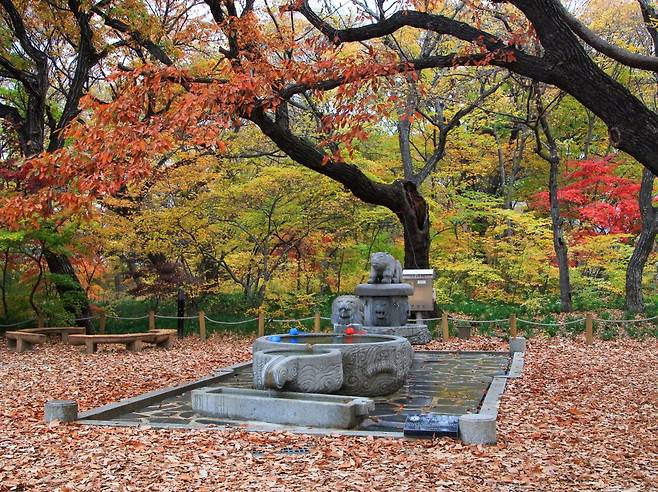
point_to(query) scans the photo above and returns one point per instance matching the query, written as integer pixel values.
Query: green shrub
(549, 329)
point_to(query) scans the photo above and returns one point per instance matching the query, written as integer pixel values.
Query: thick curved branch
(85, 58)
(10, 71)
(155, 50)
(437, 61)
(650, 15)
(10, 114)
(309, 156)
(621, 55)
(18, 27)
(503, 55)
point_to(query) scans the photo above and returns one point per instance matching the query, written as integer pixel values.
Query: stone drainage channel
(446, 383)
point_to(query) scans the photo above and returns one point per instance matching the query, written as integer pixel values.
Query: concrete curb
(516, 367)
(480, 428)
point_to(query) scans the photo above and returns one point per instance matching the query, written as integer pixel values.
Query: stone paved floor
(441, 382)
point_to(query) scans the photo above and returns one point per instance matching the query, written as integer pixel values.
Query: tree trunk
(414, 218)
(553, 159)
(559, 243)
(643, 246)
(5, 266)
(73, 296)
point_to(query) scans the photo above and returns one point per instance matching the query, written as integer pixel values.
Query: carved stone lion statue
(346, 310)
(384, 269)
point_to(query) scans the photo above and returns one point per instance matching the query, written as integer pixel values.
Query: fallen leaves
(581, 418)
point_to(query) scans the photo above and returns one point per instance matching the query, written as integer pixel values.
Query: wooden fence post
(444, 327)
(316, 323)
(589, 331)
(151, 320)
(261, 322)
(512, 326)
(202, 325)
(102, 322)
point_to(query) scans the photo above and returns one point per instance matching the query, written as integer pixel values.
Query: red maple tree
(597, 199)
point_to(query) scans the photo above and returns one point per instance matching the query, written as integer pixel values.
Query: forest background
(119, 190)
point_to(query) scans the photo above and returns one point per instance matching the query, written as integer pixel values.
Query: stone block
(517, 344)
(431, 425)
(62, 410)
(477, 428)
(299, 409)
(464, 332)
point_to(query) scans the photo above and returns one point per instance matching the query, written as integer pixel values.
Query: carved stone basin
(304, 371)
(373, 365)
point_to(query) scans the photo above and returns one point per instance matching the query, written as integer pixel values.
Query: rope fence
(231, 322)
(18, 324)
(484, 321)
(564, 323)
(172, 317)
(445, 319)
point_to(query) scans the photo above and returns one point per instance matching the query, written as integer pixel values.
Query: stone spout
(278, 371)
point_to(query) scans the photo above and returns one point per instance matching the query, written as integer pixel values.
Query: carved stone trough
(306, 371)
(373, 365)
(277, 407)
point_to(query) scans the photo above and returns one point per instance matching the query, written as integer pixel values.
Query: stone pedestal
(62, 410)
(477, 428)
(385, 304)
(517, 344)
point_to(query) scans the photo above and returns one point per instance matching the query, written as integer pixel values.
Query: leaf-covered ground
(581, 418)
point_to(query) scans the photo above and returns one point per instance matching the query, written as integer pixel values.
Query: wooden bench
(22, 341)
(62, 331)
(161, 338)
(134, 342)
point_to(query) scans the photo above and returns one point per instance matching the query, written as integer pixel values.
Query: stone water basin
(373, 365)
(305, 371)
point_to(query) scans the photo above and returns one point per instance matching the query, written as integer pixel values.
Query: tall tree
(645, 241)
(548, 151)
(559, 60)
(28, 63)
(53, 55)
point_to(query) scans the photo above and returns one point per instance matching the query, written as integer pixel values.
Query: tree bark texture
(643, 246)
(559, 243)
(648, 213)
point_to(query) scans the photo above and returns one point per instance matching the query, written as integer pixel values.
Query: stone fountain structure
(381, 306)
(369, 354)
